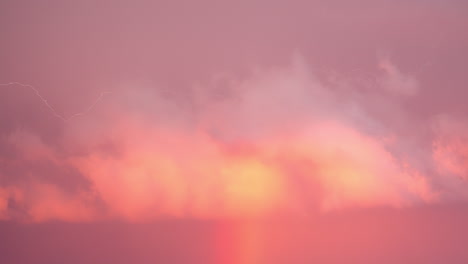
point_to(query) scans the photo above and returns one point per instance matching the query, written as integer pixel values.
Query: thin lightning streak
(51, 108)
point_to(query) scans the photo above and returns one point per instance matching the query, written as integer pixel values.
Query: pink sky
(319, 118)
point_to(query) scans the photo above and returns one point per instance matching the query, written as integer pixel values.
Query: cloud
(3, 204)
(450, 153)
(6, 195)
(395, 81)
(280, 140)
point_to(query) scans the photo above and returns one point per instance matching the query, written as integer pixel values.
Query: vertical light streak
(240, 242)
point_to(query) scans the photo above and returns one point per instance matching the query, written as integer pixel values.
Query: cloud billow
(283, 139)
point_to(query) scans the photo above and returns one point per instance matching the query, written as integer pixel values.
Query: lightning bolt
(51, 108)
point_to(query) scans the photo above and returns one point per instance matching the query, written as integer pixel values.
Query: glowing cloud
(277, 141)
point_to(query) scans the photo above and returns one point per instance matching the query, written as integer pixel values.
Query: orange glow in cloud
(251, 186)
(284, 142)
(147, 180)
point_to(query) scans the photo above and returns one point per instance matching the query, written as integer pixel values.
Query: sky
(233, 131)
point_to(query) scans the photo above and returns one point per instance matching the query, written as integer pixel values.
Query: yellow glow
(251, 186)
